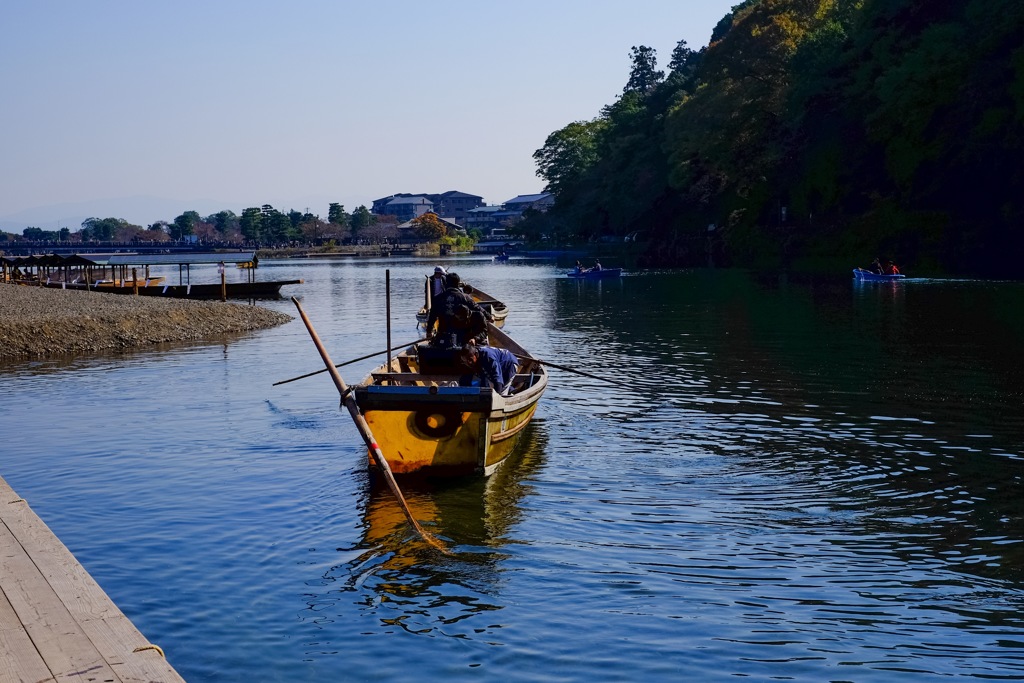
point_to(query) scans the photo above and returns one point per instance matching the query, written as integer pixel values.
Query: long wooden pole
(387, 307)
(576, 372)
(350, 362)
(349, 399)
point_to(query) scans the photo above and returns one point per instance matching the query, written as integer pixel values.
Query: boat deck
(56, 623)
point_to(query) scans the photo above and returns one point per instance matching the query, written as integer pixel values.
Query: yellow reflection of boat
(468, 511)
(398, 572)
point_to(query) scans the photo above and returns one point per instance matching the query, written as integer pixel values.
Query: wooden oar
(575, 371)
(349, 362)
(349, 399)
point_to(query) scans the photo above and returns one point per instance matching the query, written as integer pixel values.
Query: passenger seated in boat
(490, 366)
(876, 266)
(579, 267)
(443, 312)
(891, 269)
(597, 265)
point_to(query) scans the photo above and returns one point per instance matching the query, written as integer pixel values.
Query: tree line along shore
(39, 322)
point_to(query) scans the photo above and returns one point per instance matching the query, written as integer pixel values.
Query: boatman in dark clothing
(445, 311)
(496, 368)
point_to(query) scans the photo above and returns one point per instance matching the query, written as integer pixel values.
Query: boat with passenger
(429, 420)
(595, 274)
(868, 276)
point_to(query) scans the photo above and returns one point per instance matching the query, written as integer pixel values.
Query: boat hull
(596, 274)
(868, 276)
(461, 432)
(233, 290)
(426, 424)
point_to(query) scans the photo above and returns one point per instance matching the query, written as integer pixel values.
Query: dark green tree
(567, 155)
(224, 222)
(644, 74)
(38, 234)
(336, 215)
(102, 229)
(277, 226)
(361, 219)
(184, 225)
(251, 224)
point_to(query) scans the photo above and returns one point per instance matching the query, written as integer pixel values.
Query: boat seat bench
(520, 381)
(405, 377)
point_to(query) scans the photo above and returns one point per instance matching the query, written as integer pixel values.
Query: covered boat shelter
(184, 261)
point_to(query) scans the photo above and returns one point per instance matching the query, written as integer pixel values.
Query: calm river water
(808, 482)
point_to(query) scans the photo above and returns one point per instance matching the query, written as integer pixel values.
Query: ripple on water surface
(795, 483)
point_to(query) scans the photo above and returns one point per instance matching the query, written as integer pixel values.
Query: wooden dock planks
(56, 623)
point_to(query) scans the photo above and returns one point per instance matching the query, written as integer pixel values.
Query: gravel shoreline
(37, 322)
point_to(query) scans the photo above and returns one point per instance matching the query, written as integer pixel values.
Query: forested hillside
(813, 135)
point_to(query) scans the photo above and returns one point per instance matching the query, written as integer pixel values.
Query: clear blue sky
(238, 103)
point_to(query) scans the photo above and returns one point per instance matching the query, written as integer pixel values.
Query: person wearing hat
(437, 282)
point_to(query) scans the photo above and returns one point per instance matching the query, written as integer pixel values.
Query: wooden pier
(56, 623)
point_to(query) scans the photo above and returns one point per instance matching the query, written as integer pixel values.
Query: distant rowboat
(595, 274)
(868, 276)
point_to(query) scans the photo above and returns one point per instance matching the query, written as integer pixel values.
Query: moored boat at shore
(265, 289)
(426, 423)
(147, 282)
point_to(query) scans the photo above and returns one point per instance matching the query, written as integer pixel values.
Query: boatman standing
(437, 282)
(444, 310)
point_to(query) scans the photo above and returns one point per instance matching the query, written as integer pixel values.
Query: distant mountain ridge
(142, 210)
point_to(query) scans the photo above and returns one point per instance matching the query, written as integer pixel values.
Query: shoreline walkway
(56, 623)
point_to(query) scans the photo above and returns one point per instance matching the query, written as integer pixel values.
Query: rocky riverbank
(37, 322)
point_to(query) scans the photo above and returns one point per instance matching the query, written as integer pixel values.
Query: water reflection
(399, 579)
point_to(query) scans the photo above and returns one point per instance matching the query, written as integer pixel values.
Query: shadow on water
(402, 581)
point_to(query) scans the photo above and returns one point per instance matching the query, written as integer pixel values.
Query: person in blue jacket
(495, 368)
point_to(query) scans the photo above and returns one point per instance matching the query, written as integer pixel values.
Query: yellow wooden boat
(426, 423)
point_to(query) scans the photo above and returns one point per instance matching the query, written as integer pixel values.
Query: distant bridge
(28, 248)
